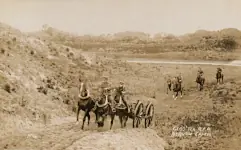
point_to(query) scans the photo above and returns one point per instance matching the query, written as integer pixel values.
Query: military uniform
(121, 90)
(180, 78)
(105, 87)
(200, 72)
(219, 70)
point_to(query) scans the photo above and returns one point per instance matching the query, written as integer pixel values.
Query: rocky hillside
(37, 78)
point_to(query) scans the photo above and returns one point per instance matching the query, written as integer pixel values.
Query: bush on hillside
(226, 43)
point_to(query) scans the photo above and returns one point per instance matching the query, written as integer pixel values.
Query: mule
(200, 80)
(219, 77)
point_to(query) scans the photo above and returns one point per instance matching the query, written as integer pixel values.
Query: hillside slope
(35, 78)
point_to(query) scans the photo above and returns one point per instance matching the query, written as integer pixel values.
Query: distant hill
(140, 42)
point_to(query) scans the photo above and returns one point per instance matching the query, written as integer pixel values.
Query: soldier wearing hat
(105, 87)
(200, 72)
(122, 90)
(219, 70)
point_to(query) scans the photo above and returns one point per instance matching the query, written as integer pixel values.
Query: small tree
(228, 43)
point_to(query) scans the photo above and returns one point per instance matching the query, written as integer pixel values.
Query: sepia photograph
(120, 75)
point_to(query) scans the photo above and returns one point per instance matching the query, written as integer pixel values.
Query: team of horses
(112, 105)
(175, 86)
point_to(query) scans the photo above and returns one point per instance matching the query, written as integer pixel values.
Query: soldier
(122, 90)
(180, 78)
(200, 71)
(219, 70)
(105, 87)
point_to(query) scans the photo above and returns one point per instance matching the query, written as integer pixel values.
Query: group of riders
(179, 79)
(105, 90)
(201, 73)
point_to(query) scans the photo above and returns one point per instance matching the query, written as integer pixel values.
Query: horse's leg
(85, 115)
(133, 123)
(176, 95)
(77, 116)
(121, 121)
(181, 93)
(126, 119)
(112, 120)
(88, 116)
(173, 94)
(96, 117)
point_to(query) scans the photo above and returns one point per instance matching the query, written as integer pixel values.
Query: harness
(84, 93)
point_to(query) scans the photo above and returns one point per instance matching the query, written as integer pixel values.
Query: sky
(110, 16)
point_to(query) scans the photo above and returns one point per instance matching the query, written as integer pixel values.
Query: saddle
(121, 105)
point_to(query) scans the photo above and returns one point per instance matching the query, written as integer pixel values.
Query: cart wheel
(138, 115)
(149, 115)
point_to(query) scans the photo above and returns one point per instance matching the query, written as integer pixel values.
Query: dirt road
(68, 135)
(186, 62)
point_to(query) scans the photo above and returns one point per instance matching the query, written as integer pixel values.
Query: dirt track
(185, 62)
(69, 136)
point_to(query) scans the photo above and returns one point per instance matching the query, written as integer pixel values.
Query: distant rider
(180, 78)
(219, 70)
(200, 72)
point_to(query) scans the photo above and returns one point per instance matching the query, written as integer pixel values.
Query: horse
(103, 109)
(120, 109)
(219, 77)
(86, 104)
(200, 80)
(177, 87)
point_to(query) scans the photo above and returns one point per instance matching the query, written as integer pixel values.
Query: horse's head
(102, 109)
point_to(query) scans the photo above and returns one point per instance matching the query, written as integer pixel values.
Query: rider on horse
(121, 90)
(200, 72)
(105, 88)
(180, 78)
(219, 70)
